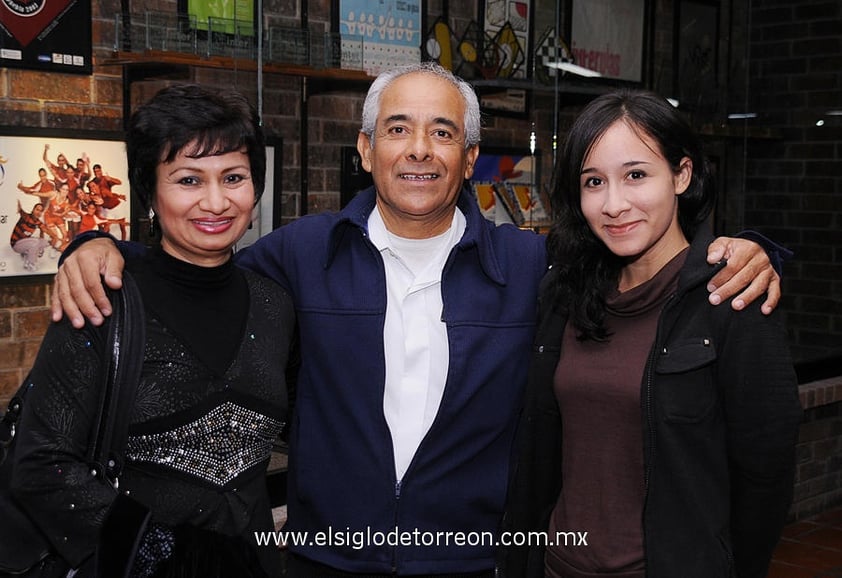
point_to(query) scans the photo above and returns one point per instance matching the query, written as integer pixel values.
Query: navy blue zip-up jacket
(342, 475)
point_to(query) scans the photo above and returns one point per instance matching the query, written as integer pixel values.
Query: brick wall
(24, 317)
(60, 101)
(818, 484)
(792, 188)
(794, 181)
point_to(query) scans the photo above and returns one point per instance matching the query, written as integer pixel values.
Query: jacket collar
(477, 232)
(696, 269)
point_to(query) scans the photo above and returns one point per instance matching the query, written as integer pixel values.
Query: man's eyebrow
(438, 120)
(396, 118)
(447, 122)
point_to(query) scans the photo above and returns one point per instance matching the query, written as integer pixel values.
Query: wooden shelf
(163, 59)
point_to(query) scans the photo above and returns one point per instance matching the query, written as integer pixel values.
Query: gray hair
(371, 107)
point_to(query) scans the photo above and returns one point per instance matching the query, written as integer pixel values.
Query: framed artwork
(53, 186)
(607, 37)
(378, 35)
(506, 183)
(354, 177)
(697, 54)
(506, 52)
(266, 216)
(52, 35)
(227, 27)
(205, 12)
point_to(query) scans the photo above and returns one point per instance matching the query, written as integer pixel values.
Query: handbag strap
(119, 377)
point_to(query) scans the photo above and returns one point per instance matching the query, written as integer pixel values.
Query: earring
(152, 222)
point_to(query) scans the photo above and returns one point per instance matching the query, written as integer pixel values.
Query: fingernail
(711, 287)
(739, 304)
(715, 299)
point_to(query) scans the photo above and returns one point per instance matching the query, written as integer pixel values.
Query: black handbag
(22, 546)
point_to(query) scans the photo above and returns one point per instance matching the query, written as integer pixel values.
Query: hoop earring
(152, 228)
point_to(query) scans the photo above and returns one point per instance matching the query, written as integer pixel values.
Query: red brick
(10, 380)
(31, 324)
(13, 355)
(5, 324)
(46, 86)
(25, 295)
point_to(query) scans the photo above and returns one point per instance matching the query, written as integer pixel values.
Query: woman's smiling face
(629, 196)
(204, 205)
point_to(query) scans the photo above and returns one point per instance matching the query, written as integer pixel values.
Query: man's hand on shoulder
(749, 274)
(78, 292)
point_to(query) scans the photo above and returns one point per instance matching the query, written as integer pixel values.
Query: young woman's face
(629, 196)
(203, 205)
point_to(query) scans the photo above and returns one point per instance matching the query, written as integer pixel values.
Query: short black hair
(216, 120)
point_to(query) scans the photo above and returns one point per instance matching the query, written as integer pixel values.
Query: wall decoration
(206, 12)
(440, 45)
(462, 56)
(506, 184)
(227, 28)
(354, 178)
(54, 186)
(696, 54)
(391, 31)
(551, 48)
(607, 36)
(50, 35)
(508, 55)
(266, 216)
(471, 53)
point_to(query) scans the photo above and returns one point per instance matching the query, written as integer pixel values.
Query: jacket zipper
(397, 507)
(649, 398)
(648, 408)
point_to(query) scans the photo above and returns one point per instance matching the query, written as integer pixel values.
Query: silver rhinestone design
(216, 447)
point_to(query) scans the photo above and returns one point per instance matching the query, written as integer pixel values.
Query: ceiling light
(741, 115)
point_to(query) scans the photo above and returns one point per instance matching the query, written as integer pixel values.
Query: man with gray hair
(416, 318)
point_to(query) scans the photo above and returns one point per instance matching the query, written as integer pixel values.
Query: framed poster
(53, 186)
(381, 34)
(228, 27)
(506, 52)
(607, 36)
(506, 183)
(266, 216)
(354, 177)
(225, 11)
(697, 54)
(49, 35)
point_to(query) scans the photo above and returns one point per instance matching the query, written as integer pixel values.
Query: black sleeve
(51, 478)
(763, 414)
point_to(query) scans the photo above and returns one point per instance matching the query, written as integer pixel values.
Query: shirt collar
(476, 233)
(379, 235)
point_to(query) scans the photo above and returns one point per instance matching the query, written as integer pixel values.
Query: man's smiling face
(418, 161)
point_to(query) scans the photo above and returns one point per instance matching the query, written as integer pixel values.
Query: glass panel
(287, 45)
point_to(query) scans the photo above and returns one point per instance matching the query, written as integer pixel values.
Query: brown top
(598, 387)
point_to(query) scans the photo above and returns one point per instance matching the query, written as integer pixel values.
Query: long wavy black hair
(585, 269)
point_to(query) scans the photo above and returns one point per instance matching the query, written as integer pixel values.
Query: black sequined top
(212, 398)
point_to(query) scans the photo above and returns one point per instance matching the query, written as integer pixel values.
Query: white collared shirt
(414, 335)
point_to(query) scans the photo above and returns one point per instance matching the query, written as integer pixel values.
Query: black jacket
(720, 416)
